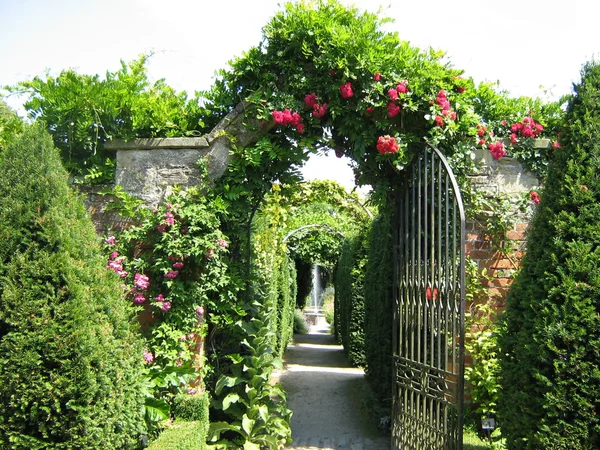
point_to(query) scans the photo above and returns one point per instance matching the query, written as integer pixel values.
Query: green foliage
(82, 112)
(316, 47)
(182, 435)
(378, 310)
(70, 362)
(257, 408)
(192, 406)
(349, 297)
(10, 125)
(300, 326)
(551, 341)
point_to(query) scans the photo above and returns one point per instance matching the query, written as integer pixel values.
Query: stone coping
(157, 143)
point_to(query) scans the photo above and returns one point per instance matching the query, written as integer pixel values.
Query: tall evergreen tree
(70, 363)
(551, 341)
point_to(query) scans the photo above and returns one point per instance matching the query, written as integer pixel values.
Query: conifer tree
(70, 361)
(550, 395)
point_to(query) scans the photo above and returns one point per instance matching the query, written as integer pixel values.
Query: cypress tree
(550, 344)
(70, 362)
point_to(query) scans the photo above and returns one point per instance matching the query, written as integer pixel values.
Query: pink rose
(165, 306)
(393, 94)
(377, 77)
(178, 265)
(535, 197)
(497, 150)
(171, 274)
(111, 240)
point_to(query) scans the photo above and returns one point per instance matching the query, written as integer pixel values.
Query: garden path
(326, 396)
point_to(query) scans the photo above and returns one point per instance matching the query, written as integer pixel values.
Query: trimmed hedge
(378, 309)
(349, 297)
(189, 430)
(550, 395)
(70, 363)
(181, 435)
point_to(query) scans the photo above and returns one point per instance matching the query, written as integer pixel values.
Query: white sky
(530, 46)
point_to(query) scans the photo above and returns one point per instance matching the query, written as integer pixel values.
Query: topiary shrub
(70, 364)
(550, 346)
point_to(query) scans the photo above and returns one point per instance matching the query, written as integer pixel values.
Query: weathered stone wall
(150, 168)
(505, 177)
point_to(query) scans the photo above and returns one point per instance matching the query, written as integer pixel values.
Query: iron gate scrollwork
(429, 280)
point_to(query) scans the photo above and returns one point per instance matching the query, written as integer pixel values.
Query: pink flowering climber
(393, 94)
(148, 356)
(535, 197)
(402, 87)
(165, 306)
(139, 298)
(178, 265)
(171, 274)
(141, 281)
(111, 240)
(169, 218)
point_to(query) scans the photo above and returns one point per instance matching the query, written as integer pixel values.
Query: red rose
(513, 138)
(393, 109)
(300, 128)
(527, 131)
(296, 119)
(481, 130)
(439, 121)
(346, 90)
(535, 197)
(402, 87)
(278, 117)
(377, 77)
(319, 111)
(555, 144)
(369, 110)
(310, 100)
(497, 150)
(481, 141)
(387, 144)
(453, 115)
(393, 94)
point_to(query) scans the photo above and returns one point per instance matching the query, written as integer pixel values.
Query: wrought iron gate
(429, 308)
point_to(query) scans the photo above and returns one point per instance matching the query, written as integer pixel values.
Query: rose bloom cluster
(318, 110)
(445, 106)
(394, 94)
(346, 90)
(497, 149)
(286, 117)
(387, 144)
(535, 197)
(528, 128)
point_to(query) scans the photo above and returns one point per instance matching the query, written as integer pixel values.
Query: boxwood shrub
(70, 363)
(550, 395)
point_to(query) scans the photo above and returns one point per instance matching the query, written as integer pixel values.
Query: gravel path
(326, 394)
